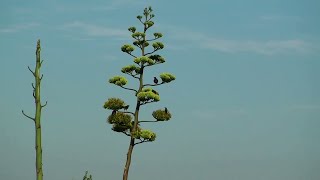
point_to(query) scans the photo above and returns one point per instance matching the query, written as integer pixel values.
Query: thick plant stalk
(136, 119)
(128, 162)
(37, 118)
(131, 145)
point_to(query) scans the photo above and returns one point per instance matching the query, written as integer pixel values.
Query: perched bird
(166, 110)
(126, 107)
(155, 80)
(114, 112)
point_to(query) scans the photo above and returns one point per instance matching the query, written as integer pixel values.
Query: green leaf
(167, 77)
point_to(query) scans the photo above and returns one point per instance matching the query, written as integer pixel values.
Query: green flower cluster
(157, 45)
(144, 60)
(132, 29)
(148, 94)
(157, 35)
(145, 134)
(127, 48)
(118, 80)
(141, 43)
(157, 58)
(120, 121)
(167, 77)
(130, 69)
(149, 24)
(138, 35)
(147, 11)
(161, 115)
(113, 104)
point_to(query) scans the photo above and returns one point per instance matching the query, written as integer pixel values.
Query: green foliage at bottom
(85, 177)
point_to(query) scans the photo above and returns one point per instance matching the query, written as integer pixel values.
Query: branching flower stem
(39, 106)
(147, 121)
(153, 84)
(129, 89)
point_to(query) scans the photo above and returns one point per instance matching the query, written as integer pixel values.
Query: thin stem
(127, 112)
(31, 71)
(44, 104)
(129, 89)
(134, 76)
(143, 141)
(132, 55)
(153, 84)
(28, 116)
(152, 52)
(141, 21)
(147, 121)
(147, 102)
(153, 39)
(126, 133)
(153, 64)
(139, 47)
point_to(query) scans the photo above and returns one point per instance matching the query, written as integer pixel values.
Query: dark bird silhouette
(155, 80)
(166, 110)
(126, 107)
(114, 112)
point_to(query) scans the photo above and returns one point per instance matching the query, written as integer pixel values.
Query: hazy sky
(245, 104)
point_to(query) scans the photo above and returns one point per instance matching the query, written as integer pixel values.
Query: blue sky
(245, 105)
